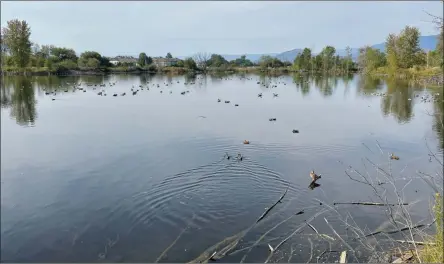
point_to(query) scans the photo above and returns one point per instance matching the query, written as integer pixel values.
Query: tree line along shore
(402, 58)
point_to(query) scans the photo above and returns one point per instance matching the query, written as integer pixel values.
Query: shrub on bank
(433, 253)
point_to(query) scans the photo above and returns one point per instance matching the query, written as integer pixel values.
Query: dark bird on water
(295, 131)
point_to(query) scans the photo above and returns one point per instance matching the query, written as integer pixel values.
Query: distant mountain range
(425, 42)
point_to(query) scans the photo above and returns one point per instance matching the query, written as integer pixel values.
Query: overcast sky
(184, 28)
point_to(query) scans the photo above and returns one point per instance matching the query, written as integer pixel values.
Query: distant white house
(114, 62)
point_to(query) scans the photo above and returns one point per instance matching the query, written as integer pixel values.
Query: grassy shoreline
(421, 75)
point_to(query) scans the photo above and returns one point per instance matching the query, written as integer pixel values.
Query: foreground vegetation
(433, 252)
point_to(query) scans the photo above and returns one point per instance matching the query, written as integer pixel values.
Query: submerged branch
(369, 203)
(271, 207)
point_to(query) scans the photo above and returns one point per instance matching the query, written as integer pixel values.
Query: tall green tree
(16, 37)
(189, 63)
(242, 62)
(348, 61)
(142, 61)
(60, 54)
(217, 60)
(327, 55)
(408, 47)
(303, 60)
(370, 59)
(392, 53)
(169, 56)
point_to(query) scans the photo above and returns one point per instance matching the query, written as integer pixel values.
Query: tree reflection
(6, 93)
(368, 84)
(190, 78)
(302, 83)
(325, 84)
(22, 99)
(396, 102)
(438, 120)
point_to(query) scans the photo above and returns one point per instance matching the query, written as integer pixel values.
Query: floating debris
(246, 142)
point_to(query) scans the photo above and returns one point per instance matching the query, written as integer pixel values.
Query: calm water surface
(89, 178)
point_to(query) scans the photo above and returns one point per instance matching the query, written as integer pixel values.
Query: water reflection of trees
(326, 84)
(190, 77)
(396, 101)
(368, 84)
(438, 120)
(302, 82)
(93, 79)
(6, 93)
(18, 94)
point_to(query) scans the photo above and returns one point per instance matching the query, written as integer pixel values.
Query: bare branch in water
(379, 146)
(340, 238)
(416, 242)
(311, 250)
(367, 147)
(271, 207)
(294, 232)
(175, 240)
(433, 154)
(367, 203)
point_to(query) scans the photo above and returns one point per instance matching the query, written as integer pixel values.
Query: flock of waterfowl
(426, 98)
(148, 85)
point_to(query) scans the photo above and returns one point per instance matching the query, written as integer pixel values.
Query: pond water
(144, 177)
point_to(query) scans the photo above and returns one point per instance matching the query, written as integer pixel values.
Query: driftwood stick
(369, 203)
(175, 240)
(271, 207)
(312, 227)
(395, 231)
